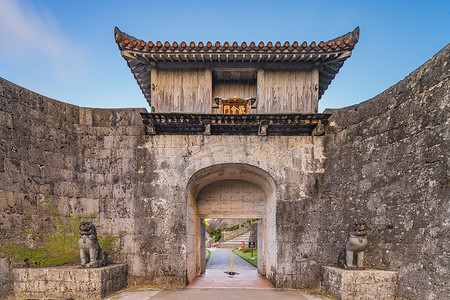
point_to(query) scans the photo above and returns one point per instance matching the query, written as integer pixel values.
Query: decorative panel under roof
(225, 124)
(328, 57)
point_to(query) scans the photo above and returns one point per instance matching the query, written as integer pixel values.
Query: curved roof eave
(328, 57)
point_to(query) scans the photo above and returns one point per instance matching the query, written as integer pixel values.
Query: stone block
(72, 282)
(5, 119)
(359, 284)
(5, 279)
(85, 116)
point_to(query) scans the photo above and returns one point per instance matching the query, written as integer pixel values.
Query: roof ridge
(344, 42)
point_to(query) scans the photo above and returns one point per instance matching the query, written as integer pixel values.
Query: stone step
(239, 239)
(230, 245)
(242, 236)
(236, 242)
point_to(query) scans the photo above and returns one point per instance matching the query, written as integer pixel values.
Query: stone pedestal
(66, 282)
(359, 284)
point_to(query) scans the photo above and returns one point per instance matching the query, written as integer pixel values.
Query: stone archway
(230, 190)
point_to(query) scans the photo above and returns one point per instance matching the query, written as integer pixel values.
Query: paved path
(215, 294)
(217, 285)
(219, 263)
(220, 279)
(221, 260)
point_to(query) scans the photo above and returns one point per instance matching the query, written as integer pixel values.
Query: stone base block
(72, 282)
(359, 284)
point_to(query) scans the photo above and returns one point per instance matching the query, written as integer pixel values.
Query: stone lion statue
(354, 249)
(90, 252)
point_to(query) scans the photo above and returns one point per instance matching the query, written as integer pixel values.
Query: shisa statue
(354, 249)
(90, 252)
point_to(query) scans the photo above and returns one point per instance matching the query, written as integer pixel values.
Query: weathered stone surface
(81, 158)
(6, 291)
(229, 235)
(222, 223)
(359, 284)
(166, 165)
(69, 282)
(384, 160)
(387, 162)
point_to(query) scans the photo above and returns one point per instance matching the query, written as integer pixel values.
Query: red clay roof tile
(345, 42)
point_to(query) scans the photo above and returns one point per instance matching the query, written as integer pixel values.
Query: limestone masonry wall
(388, 163)
(83, 159)
(384, 160)
(229, 235)
(165, 164)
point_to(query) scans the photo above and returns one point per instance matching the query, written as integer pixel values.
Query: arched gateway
(233, 132)
(269, 146)
(231, 190)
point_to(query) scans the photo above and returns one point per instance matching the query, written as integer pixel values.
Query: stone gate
(155, 174)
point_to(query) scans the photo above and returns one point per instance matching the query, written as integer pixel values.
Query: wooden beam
(154, 57)
(300, 66)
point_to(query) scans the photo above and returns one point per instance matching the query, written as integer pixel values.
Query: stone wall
(99, 161)
(82, 159)
(166, 164)
(388, 163)
(384, 160)
(5, 279)
(229, 235)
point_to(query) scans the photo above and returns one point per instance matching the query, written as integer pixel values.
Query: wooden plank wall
(287, 91)
(231, 89)
(181, 91)
(192, 91)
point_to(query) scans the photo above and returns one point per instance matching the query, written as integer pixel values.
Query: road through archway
(230, 191)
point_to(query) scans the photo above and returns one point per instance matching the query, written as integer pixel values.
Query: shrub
(216, 234)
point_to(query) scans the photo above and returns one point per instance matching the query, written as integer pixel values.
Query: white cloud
(34, 38)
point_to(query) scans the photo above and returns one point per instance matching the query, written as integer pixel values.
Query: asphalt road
(221, 260)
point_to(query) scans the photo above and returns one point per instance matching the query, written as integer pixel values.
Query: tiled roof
(343, 43)
(328, 57)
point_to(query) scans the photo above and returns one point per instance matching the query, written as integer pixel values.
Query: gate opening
(238, 191)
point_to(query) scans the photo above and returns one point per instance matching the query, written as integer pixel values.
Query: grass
(208, 255)
(246, 254)
(56, 244)
(216, 234)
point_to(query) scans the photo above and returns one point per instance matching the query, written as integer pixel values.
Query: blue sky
(65, 49)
